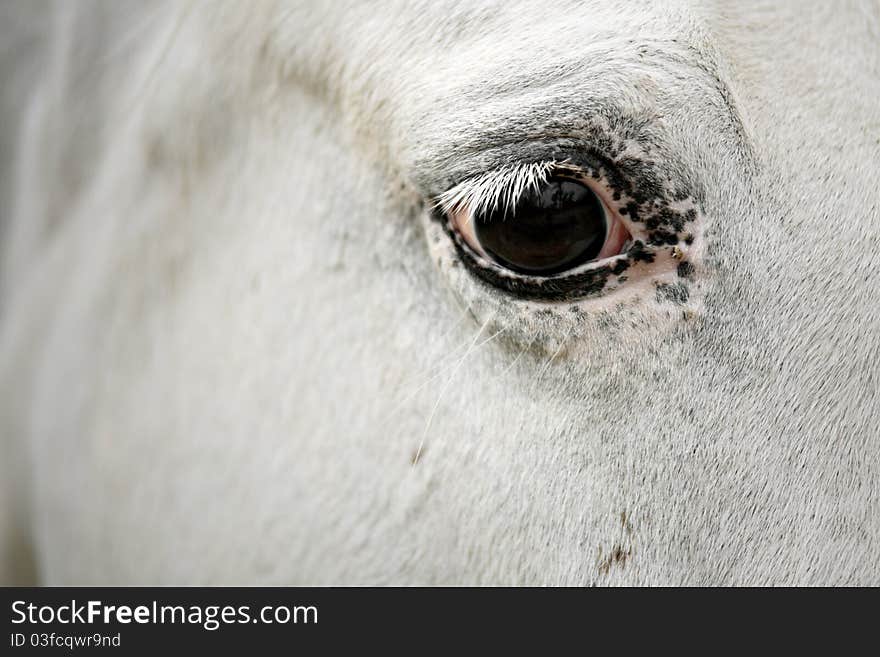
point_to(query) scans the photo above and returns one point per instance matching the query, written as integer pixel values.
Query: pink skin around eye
(617, 237)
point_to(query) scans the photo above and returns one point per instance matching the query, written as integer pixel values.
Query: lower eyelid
(615, 240)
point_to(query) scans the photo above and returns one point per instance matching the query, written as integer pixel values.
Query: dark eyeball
(552, 229)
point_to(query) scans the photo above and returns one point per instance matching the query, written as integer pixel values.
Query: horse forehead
(432, 38)
(399, 65)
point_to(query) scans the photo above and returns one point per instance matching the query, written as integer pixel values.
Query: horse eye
(554, 228)
(551, 229)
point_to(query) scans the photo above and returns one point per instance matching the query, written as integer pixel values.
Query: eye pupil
(552, 229)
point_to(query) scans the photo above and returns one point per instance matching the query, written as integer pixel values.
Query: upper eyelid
(629, 178)
(500, 190)
(588, 115)
(436, 180)
(495, 190)
(629, 166)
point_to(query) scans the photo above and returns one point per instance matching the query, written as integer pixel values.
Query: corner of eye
(452, 204)
(443, 204)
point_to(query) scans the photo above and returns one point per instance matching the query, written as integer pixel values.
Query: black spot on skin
(666, 217)
(644, 173)
(620, 267)
(676, 293)
(660, 237)
(688, 239)
(639, 253)
(685, 270)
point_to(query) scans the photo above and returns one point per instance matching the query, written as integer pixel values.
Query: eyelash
(596, 277)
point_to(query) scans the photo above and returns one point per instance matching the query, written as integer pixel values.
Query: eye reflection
(556, 227)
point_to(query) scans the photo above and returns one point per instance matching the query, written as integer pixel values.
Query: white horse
(273, 307)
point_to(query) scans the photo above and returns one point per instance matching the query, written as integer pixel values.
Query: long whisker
(446, 359)
(447, 384)
(445, 367)
(519, 355)
(546, 365)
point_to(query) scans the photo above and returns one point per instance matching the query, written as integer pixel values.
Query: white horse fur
(234, 347)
